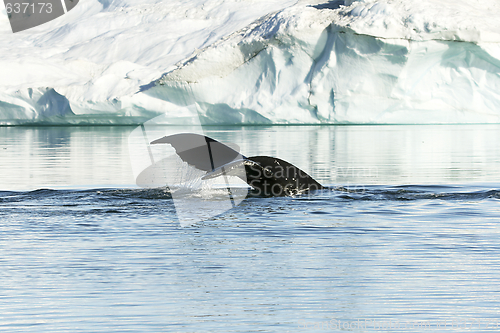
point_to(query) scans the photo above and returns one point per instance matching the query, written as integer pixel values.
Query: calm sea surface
(406, 238)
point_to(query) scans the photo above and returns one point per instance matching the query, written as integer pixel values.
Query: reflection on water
(117, 260)
(55, 157)
(90, 157)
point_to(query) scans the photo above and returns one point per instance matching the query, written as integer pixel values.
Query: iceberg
(256, 62)
(88, 66)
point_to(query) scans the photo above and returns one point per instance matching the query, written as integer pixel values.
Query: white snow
(255, 61)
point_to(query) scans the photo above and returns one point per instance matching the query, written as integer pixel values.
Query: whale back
(272, 176)
(268, 176)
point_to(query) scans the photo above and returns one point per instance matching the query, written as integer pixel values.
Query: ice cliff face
(96, 57)
(334, 62)
(371, 62)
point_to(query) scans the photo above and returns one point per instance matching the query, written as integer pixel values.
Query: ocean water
(406, 237)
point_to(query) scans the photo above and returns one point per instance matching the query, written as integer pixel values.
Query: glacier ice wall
(97, 56)
(370, 63)
(340, 62)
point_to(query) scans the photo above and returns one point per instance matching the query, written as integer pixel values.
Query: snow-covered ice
(256, 61)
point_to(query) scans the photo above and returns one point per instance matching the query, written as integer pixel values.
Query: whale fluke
(268, 176)
(200, 151)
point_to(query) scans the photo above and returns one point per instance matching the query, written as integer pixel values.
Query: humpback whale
(268, 176)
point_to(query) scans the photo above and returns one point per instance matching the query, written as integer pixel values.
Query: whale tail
(268, 176)
(200, 151)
